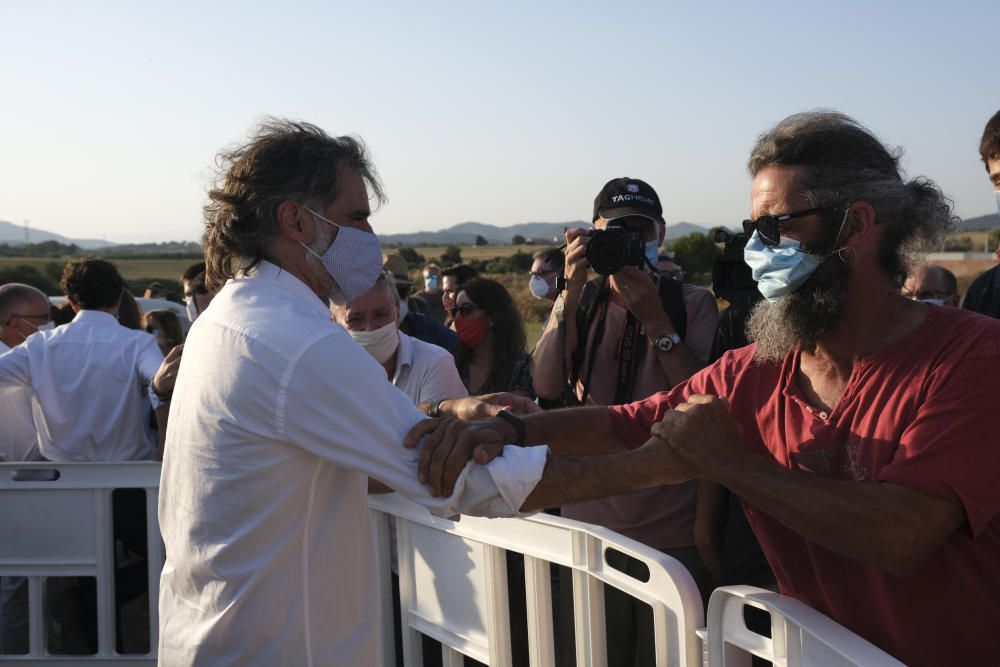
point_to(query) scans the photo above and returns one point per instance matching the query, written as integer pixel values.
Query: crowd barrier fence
(452, 581)
(62, 527)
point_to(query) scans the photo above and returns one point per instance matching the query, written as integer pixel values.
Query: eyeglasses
(542, 274)
(47, 317)
(464, 310)
(768, 226)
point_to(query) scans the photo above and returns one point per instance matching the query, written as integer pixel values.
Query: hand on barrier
(446, 445)
(703, 433)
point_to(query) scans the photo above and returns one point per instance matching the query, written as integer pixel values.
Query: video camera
(612, 249)
(731, 277)
(733, 281)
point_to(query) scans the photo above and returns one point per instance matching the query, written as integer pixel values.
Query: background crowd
(92, 379)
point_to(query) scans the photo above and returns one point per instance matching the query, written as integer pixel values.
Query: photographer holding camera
(625, 335)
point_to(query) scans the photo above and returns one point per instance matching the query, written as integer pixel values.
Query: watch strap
(514, 421)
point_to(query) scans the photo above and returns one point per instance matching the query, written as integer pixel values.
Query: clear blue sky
(499, 112)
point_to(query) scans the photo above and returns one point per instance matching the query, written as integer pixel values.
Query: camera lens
(607, 252)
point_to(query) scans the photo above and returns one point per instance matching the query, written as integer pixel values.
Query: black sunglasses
(767, 226)
(464, 310)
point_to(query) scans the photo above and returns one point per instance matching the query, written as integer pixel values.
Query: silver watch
(666, 342)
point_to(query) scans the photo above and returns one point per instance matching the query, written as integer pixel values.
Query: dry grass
(131, 269)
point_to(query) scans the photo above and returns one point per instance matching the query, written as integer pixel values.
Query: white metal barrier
(800, 635)
(63, 528)
(453, 581)
(453, 586)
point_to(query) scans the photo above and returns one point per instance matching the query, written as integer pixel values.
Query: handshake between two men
(592, 452)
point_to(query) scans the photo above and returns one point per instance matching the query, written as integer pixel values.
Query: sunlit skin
(195, 288)
(993, 169)
(30, 314)
(433, 272)
(351, 208)
(928, 282)
(449, 289)
(482, 357)
(372, 310)
(550, 274)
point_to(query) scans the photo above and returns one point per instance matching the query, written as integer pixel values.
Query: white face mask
(381, 343)
(539, 287)
(997, 194)
(353, 260)
(192, 308)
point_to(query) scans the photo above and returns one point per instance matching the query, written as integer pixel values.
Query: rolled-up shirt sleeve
(339, 405)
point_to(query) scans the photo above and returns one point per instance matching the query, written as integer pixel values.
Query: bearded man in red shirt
(859, 427)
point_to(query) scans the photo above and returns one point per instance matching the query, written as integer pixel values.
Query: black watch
(516, 422)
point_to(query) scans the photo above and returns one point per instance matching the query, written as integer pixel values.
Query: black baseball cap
(622, 197)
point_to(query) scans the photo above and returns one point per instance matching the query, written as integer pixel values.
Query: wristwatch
(666, 341)
(516, 422)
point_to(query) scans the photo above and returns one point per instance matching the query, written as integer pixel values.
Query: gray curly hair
(844, 162)
(283, 161)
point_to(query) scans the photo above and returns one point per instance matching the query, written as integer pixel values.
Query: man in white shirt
(23, 311)
(424, 372)
(279, 417)
(92, 379)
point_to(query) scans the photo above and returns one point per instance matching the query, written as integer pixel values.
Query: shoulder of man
(423, 349)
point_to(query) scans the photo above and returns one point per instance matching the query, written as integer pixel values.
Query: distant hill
(465, 233)
(14, 235)
(979, 223)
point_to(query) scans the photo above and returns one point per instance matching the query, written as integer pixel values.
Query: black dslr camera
(612, 249)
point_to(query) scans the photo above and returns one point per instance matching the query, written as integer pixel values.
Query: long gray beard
(799, 319)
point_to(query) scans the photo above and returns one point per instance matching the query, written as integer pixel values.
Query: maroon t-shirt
(921, 413)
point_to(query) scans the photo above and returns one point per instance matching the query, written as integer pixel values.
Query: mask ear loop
(849, 257)
(841, 252)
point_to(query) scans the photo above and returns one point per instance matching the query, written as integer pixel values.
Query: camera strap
(626, 360)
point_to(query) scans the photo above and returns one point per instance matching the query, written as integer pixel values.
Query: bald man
(931, 284)
(23, 311)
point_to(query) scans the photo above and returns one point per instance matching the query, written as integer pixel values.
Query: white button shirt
(426, 372)
(278, 417)
(90, 382)
(18, 438)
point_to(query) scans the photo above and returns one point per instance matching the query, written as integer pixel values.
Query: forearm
(573, 431)
(162, 412)
(875, 523)
(548, 363)
(575, 479)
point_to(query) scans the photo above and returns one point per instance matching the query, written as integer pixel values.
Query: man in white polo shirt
(279, 418)
(424, 372)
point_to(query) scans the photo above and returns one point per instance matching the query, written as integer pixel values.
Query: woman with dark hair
(166, 326)
(491, 352)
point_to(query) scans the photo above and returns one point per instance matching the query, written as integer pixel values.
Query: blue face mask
(353, 260)
(431, 282)
(781, 269)
(652, 255)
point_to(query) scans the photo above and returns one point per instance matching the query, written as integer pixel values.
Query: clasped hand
(703, 433)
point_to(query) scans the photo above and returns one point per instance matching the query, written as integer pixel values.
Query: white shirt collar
(404, 354)
(272, 273)
(95, 317)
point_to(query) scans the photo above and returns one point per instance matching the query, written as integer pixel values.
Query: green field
(476, 252)
(131, 269)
